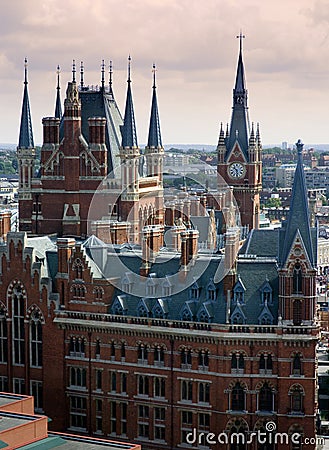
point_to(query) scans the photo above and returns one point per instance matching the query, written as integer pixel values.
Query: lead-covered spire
(154, 137)
(58, 106)
(299, 215)
(239, 129)
(128, 130)
(26, 132)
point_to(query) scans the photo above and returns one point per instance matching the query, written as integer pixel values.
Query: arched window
(297, 287)
(237, 427)
(237, 363)
(36, 340)
(238, 402)
(186, 358)
(296, 393)
(203, 316)
(98, 348)
(297, 312)
(265, 399)
(159, 356)
(297, 365)
(265, 364)
(142, 354)
(123, 350)
(186, 315)
(78, 268)
(18, 312)
(203, 359)
(112, 351)
(3, 337)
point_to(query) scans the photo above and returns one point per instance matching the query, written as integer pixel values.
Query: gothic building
(157, 344)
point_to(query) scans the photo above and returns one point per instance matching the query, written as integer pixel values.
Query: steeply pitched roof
(25, 132)
(239, 129)
(128, 130)
(154, 138)
(299, 215)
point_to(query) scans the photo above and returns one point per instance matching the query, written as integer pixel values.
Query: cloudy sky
(193, 43)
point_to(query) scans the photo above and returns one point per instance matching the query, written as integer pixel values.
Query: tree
(273, 203)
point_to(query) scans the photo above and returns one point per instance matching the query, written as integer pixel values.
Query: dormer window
(238, 292)
(194, 292)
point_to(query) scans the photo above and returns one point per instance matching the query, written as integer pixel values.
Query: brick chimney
(5, 223)
(50, 130)
(146, 252)
(189, 246)
(65, 247)
(232, 242)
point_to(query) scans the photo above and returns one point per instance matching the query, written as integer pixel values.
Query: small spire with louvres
(58, 105)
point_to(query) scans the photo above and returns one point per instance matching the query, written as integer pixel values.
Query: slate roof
(128, 130)
(25, 132)
(154, 137)
(262, 243)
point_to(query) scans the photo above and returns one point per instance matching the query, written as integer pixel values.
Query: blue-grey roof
(128, 130)
(299, 216)
(154, 138)
(263, 243)
(26, 132)
(239, 129)
(58, 106)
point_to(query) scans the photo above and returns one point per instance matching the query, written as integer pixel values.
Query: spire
(73, 71)
(299, 215)
(252, 141)
(154, 138)
(58, 106)
(221, 140)
(239, 120)
(103, 75)
(25, 132)
(81, 74)
(128, 130)
(110, 78)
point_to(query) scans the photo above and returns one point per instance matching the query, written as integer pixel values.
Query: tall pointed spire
(128, 130)
(103, 75)
(25, 132)
(81, 75)
(58, 106)
(299, 215)
(154, 138)
(110, 78)
(239, 129)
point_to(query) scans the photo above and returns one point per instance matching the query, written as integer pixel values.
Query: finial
(25, 71)
(58, 71)
(110, 77)
(299, 146)
(81, 74)
(154, 71)
(73, 71)
(241, 36)
(103, 75)
(129, 63)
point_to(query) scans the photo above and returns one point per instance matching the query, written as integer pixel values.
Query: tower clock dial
(236, 170)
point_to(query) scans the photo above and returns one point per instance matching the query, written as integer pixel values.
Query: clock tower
(239, 153)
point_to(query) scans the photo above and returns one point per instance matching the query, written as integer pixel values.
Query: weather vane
(241, 36)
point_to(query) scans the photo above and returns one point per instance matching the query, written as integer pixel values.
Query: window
(142, 354)
(112, 351)
(159, 356)
(297, 279)
(203, 316)
(18, 326)
(113, 420)
(297, 312)
(186, 358)
(159, 424)
(143, 421)
(143, 430)
(99, 415)
(123, 419)
(204, 389)
(239, 295)
(99, 379)
(123, 351)
(143, 385)
(238, 398)
(19, 385)
(113, 378)
(203, 360)
(194, 292)
(237, 363)
(123, 383)
(296, 393)
(3, 384)
(265, 364)
(159, 387)
(98, 349)
(3, 337)
(36, 340)
(186, 426)
(78, 413)
(204, 421)
(265, 402)
(77, 347)
(37, 392)
(98, 291)
(187, 390)
(78, 268)
(297, 365)
(187, 418)
(78, 377)
(211, 294)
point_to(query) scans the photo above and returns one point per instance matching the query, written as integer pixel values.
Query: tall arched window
(238, 402)
(18, 313)
(297, 287)
(265, 399)
(297, 365)
(297, 312)
(296, 393)
(3, 337)
(36, 340)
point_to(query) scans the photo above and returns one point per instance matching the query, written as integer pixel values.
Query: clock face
(236, 170)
